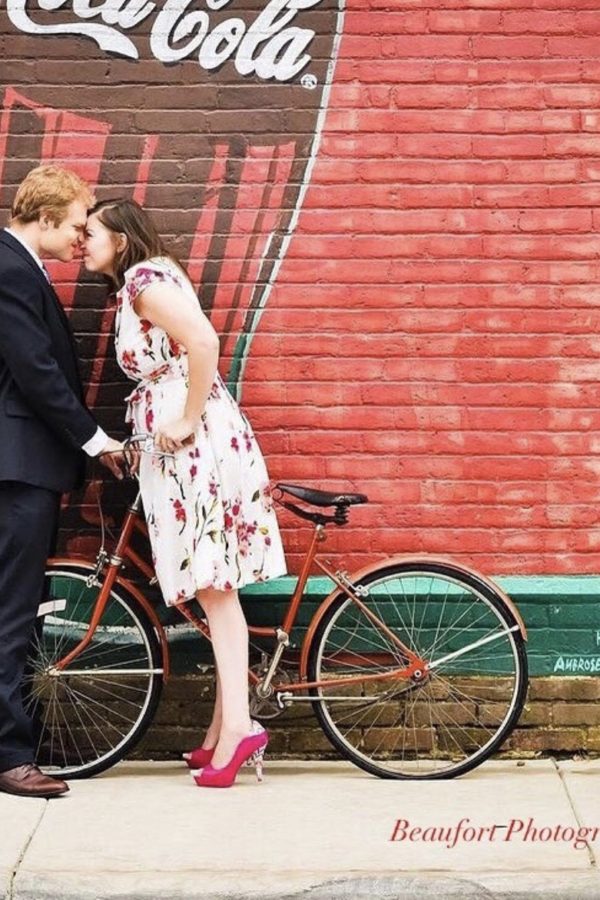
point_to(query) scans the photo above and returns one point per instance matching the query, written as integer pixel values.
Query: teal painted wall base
(562, 615)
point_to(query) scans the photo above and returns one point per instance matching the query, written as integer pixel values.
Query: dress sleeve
(142, 275)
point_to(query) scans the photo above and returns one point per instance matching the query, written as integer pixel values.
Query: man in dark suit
(45, 432)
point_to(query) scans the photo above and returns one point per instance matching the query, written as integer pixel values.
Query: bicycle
(415, 667)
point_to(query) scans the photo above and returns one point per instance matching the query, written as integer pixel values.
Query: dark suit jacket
(43, 418)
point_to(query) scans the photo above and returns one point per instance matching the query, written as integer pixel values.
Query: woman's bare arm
(167, 306)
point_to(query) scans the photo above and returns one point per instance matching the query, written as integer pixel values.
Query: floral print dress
(208, 506)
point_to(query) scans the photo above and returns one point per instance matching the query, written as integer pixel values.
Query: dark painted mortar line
(11, 886)
(581, 824)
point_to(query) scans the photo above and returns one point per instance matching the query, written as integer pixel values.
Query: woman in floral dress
(205, 489)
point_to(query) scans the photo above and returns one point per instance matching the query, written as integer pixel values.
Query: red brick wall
(430, 338)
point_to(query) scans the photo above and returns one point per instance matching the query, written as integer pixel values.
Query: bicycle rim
(474, 686)
(88, 716)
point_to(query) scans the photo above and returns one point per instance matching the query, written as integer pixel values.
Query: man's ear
(45, 221)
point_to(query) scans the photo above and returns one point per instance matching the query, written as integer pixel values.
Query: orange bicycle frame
(415, 665)
(111, 576)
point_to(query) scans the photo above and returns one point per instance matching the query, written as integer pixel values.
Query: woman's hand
(175, 435)
(132, 458)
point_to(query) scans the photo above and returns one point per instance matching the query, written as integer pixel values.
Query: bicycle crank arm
(469, 647)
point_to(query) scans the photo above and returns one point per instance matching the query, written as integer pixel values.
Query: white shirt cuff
(96, 444)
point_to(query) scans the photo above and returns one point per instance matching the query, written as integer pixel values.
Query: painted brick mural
(389, 209)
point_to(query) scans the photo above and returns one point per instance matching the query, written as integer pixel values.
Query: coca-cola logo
(272, 45)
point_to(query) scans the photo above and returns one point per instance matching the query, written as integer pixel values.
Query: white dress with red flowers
(208, 506)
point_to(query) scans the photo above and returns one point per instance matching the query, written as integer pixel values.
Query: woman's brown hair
(143, 240)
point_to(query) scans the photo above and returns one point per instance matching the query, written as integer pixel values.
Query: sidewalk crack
(11, 885)
(560, 773)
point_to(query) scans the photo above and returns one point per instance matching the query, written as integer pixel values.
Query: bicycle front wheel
(453, 715)
(89, 715)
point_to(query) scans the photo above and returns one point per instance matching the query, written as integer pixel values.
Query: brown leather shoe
(28, 781)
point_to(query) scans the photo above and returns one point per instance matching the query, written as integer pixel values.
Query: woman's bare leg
(229, 635)
(214, 729)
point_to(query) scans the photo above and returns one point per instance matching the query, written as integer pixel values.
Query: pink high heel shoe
(250, 750)
(199, 757)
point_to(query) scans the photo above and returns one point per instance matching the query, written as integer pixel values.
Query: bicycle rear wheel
(470, 696)
(89, 715)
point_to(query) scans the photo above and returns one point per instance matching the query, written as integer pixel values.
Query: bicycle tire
(355, 748)
(60, 708)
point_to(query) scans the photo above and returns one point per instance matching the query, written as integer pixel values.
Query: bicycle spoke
(75, 708)
(61, 715)
(98, 685)
(96, 723)
(451, 627)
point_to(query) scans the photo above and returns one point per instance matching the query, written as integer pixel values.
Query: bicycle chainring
(267, 707)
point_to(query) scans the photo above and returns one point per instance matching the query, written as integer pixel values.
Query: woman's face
(100, 246)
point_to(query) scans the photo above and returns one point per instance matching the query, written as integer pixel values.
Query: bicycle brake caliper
(359, 589)
(101, 560)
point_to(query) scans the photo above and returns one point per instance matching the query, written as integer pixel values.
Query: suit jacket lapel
(15, 245)
(18, 247)
(61, 309)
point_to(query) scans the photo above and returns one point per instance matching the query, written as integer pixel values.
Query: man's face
(64, 241)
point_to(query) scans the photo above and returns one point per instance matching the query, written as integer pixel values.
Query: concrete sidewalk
(311, 831)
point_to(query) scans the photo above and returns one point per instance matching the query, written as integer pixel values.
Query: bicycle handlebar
(129, 444)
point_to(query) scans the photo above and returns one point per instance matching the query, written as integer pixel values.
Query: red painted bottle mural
(208, 113)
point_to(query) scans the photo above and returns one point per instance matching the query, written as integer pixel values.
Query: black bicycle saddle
(321, 498)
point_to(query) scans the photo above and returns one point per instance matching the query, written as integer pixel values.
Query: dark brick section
(186, 709)
(562, 716)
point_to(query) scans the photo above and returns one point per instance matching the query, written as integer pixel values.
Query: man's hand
(113, 457)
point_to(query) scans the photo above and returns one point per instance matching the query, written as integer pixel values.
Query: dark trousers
(28, 527)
